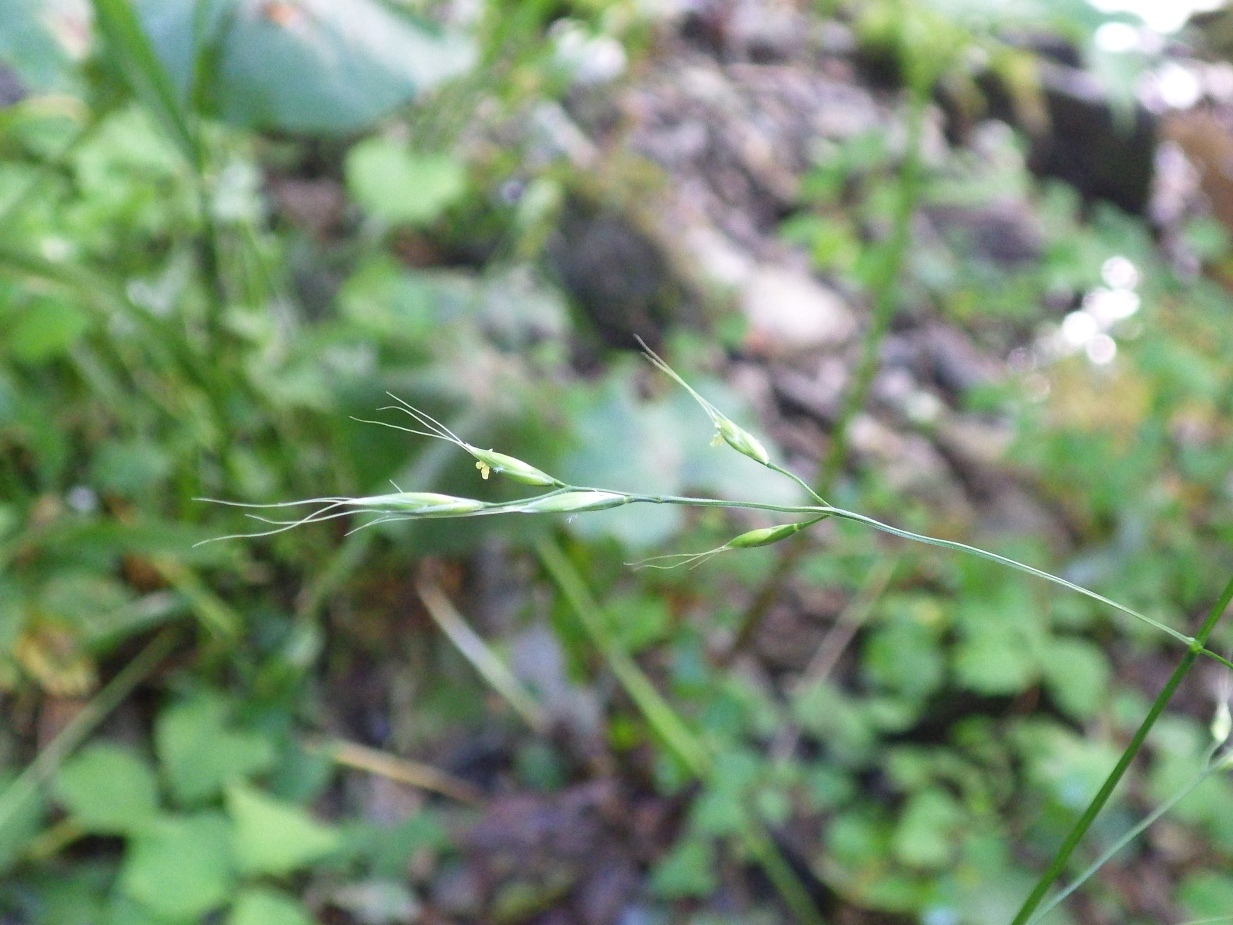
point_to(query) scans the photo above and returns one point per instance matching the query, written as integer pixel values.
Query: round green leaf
(400, 187)
(180, 867)
(257, 906)
(108, 790)
(275, 837)
(200, 752)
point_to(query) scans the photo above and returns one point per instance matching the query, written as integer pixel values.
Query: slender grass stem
(402, 770)
(15, 797)
(667, 724)
(1081, 826)
(884, 294)
(669, 727)
(1142, 826)
(481, 657)
(587, 498)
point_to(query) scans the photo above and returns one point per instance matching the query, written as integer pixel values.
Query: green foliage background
(167, 335)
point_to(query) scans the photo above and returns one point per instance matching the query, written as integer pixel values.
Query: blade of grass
(833, 644)
(883, 288)
(480, 655)
(1138, 829)
(668, 725)
(24, 787)
(131, 49)
(130, 46)
(1081, 826)
(401, 770)
(213, 613)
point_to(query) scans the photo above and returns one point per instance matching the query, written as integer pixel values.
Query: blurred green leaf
(1076, 675)
(1207, 894)
(638, 621)
(45, 329)
(129, 45)
(129, 466)
(200, 752)
(313, 66)
(179, 867)
(402, 187)
(903, 655)
(275, 837)
(20, 822)
(658, 447)
(926, 834)
(108, 790)
(89, 603)
(687, 870)
(261, 906)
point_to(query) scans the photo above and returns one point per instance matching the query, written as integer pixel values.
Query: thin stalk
(45, 764)
(1060, 860)
(884, 292)
(669, 727)
(1210, 767)
(344, 507)
(481, 657)
(215, 615)
(884, 288)
(402, 770)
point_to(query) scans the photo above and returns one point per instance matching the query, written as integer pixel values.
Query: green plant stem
(482, 658)
(843, 514)
(21, 790)
(689, 750)
(668, 726)
(334, 508)
(884, 289)
(1094, 809)
(884, 293)
(1209, 769)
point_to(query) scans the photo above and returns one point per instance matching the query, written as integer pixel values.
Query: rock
(910, 464)
(718, 261)
(1086, 139)
(820, 394)
(1089, 146)
(615, 273)
(12, 90)
(789, 311)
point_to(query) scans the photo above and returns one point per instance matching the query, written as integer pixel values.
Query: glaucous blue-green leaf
(179, 867)
(108, 790)
(659, 447)
(29, 46)
(308, 66)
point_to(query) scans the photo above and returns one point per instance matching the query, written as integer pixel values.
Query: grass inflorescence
(564, 498)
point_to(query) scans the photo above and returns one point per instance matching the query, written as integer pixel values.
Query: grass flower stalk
(572, 499)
